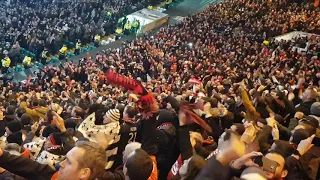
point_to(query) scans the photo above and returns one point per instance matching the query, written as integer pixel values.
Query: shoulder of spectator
(113, 175)
(24, 167)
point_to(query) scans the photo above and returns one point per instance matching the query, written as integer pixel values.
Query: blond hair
(94, 158)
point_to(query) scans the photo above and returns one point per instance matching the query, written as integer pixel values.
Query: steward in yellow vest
(135, 25)
(119, 31)
(62, 52)
(6, 62)
(97, 39)
(44, 56)
(127, 28)
(27, 61)
(78, 48)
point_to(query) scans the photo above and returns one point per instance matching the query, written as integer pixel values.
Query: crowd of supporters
(213, 97)
(35, 25)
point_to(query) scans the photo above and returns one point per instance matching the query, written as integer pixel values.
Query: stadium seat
(54, 60)
(19, 68)
(10, 70)
(70, 54)
(83, 50)
(91, 47)
(38, 64)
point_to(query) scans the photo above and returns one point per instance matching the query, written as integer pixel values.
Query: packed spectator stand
(213, 97)
(28, 28)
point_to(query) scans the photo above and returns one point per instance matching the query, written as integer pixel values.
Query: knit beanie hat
(15, 138)
(55, 138)
(113, 115)
(48, 130)
(315, 109)
(14, 126)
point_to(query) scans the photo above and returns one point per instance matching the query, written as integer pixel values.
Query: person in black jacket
(141, 164)
(128, 132)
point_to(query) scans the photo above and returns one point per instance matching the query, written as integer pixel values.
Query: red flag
(146, 99)
(128, 83)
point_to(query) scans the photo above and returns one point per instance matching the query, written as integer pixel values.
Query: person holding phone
(275, 164)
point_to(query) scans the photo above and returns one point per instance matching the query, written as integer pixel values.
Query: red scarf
(175, 168)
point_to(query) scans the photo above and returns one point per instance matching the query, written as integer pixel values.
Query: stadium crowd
(35, 25)
(213, 97)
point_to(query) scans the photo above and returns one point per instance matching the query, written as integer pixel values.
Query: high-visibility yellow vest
(150, 7)
(78, 45)
(119, 30)
(109, 13)
(127, 26)
(6, 62)
(97, 38)
(63, 50)
(27, 60)
(135, 24)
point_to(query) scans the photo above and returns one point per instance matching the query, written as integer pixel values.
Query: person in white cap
(110, 128)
